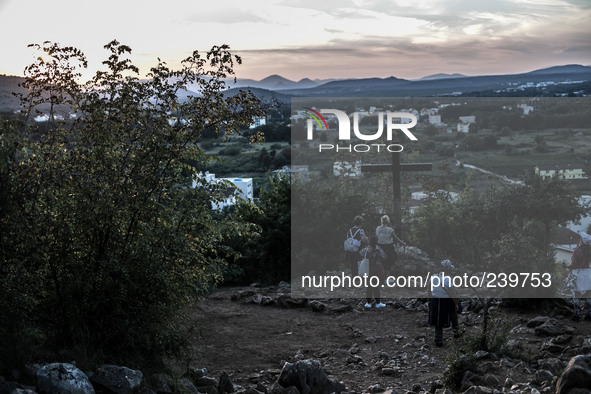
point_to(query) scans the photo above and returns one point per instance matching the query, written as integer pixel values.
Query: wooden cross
(396, 168)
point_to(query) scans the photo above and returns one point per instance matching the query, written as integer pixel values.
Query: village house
(465, 122)
(344, 168)
(563, 171)
(227, 195)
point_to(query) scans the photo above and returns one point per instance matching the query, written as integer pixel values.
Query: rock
(62, 378)
(317, 306)
(309, 378)
(376, 388)
(576, 376)
(417, 388)
(161, 383)
(276, 388)
(119, 380)
(508, 383)
(14, 388)
(388, 371)
(207, 389)
(537, 321)
(552, 347)
(263, 300)
(285, 301)
(554, 365)
(196, 373)
(492, 381)
(479, 390)
(543, 375)
(436, 385)
(354, 359)
(205, 381)
(184, 385)
(553, 327)
(443, 391)
(237, 296)
(225, 384)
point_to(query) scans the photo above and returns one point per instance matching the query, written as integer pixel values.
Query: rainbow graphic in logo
(315, 114)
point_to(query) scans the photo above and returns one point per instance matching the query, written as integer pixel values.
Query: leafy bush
(101, 245)
(231, 151)
(461, 358)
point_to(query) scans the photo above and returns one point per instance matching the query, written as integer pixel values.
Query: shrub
(101, 245)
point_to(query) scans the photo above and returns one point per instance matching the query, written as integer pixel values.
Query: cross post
(396, 168)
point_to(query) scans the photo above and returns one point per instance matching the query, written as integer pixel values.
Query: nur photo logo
(393, 121)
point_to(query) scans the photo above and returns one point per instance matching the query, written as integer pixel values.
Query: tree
(100, 234)
(503, 229)
(265, 257)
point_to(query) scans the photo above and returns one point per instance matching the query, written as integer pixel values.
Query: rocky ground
(250, 332)
(262, 341)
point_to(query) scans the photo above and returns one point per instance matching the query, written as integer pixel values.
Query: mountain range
(436, 84)
(280, 88)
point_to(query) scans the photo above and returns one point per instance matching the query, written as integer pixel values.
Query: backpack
(352, 244)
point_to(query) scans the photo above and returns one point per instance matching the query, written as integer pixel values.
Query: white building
(468, 119)
(526, 108)
(345, 168)
(435, 119)
(235, 188)
(258, 121)
(463, 127)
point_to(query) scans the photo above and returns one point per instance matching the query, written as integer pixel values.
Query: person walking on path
(356, 232)
(376, 257)
(386, 239)
(579, 279)
(443, 305)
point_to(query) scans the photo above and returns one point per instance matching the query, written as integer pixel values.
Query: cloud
(226, 16)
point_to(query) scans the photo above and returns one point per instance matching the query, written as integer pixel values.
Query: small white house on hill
(238, 188)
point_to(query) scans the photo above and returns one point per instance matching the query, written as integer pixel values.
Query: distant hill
(265, 95)
(566, 69)
(395, 87)
(441, 76)
(8, 85)
(277, 83)
(276, 87)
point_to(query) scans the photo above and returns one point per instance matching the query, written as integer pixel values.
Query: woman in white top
(386, 239)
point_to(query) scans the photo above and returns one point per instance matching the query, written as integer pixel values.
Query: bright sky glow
(311, 38)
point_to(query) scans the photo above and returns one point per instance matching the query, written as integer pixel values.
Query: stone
(184, 385)
(554, 365)
(119, 380)
(161, 383)
(543, 375)
(276, 388)
(436, 385)
(225, 384)
(443, 391)
(205, 381)
(553, 327)
(376, 388)
(537, 321)
(317, 306)
(479, 390)
(576, 377)
(388, 371)
(309, 378)
(63, 378)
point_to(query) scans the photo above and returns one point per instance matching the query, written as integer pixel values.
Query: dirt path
(392, 347)
(245, 339)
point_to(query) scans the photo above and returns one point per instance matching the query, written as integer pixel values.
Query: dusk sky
(312, 38)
